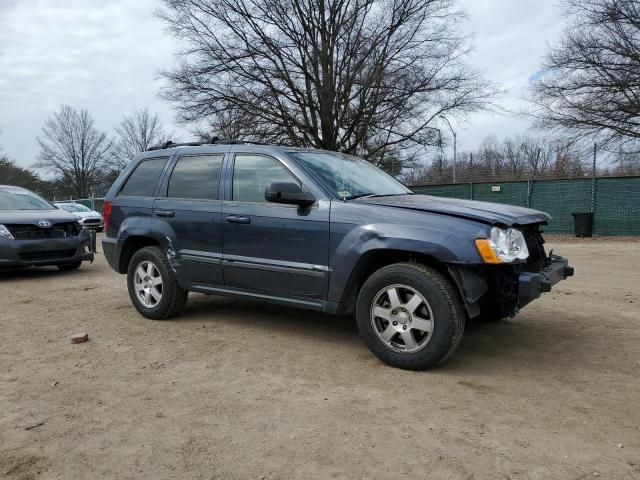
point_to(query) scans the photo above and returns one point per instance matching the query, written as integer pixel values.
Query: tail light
(106, 213)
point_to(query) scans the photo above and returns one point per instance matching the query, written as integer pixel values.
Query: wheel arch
(131, 245)
(375, 259)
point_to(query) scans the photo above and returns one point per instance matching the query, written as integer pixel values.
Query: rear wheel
(410, 316)
(153, 286)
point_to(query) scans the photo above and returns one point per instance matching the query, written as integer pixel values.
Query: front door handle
(238, 219)
(164, 213)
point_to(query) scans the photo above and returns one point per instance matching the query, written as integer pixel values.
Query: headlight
(503, 246)
(5, 233)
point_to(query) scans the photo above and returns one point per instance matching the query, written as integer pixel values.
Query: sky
(105, 56)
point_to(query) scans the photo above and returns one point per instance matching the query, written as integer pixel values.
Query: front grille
(50, 255)
(34, 232)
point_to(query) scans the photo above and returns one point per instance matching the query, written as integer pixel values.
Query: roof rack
(210, 141)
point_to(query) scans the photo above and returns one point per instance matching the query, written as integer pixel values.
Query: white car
(86, 217)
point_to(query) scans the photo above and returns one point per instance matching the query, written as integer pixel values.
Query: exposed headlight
(5, 233)
(503, 246)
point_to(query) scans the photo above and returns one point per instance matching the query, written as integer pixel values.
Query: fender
(447, 240)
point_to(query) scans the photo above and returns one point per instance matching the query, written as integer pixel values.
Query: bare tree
(73, 149)
(367, 77)
(519, 158)
(590, 85)
(137, 132)
(236, 124)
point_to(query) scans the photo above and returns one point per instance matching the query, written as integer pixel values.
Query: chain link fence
(615, 202)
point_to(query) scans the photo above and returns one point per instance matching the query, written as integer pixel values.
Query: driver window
(253, 173)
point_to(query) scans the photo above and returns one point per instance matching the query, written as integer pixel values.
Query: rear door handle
(164, 213)
(238, 219)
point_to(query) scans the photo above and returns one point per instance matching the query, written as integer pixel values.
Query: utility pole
(455, 156)
(471, 173)
(593, 179)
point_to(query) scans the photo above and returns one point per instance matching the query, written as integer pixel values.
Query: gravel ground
(239, 390)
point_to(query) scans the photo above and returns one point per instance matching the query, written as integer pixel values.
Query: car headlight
(5, 233)
(503, 246)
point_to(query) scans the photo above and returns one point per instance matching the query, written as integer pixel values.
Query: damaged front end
(499, 291)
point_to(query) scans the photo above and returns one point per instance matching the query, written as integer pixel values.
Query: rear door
(188, 212)
(272, 248)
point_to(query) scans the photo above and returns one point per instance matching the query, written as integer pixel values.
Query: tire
(99, 229)
(171, 299)
(439, 308)
(67, 267)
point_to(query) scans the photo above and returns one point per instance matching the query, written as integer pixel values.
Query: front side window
(142, 182)
(252, 174)
(196, 177)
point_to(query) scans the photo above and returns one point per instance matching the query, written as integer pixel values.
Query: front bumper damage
(533, 284)
(505, 289)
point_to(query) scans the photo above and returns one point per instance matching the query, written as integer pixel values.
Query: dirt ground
(240, 390)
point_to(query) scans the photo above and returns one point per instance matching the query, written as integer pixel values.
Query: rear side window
(196, 177)
(142, 182)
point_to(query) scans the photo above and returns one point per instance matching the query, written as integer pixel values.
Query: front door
(276, 249)
(190, 217)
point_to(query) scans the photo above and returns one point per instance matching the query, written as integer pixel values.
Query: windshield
(22, 200)
(73, 207)
(348, 177)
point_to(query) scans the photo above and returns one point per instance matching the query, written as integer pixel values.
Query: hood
(32, 217)
(485, 212)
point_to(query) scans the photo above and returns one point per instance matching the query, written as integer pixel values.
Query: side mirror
(289, 193)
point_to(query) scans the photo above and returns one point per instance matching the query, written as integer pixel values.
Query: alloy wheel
(147, 282)
(402, 318)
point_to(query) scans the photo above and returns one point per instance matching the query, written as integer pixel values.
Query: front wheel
(153, 286)
(410, 316)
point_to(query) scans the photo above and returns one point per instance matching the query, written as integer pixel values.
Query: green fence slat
(459, 190)
(617, 209)
(617, 206)
(561, 198)
(511, 193)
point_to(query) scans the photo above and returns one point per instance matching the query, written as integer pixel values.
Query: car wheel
(67, 267)
(153, 286)
(410, 316)
(100, 229)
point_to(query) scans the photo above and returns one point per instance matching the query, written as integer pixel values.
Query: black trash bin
(583, 224)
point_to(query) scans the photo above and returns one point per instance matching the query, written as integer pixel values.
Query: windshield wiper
(359, 195)
(376, 195)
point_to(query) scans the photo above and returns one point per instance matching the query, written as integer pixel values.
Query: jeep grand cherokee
(324, 231)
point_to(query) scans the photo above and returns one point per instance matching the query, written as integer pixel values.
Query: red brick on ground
(80, 338)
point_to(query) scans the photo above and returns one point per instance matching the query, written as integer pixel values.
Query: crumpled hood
(32, 217)
(485, 212)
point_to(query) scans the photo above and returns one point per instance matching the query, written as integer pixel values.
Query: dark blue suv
(324, 231)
